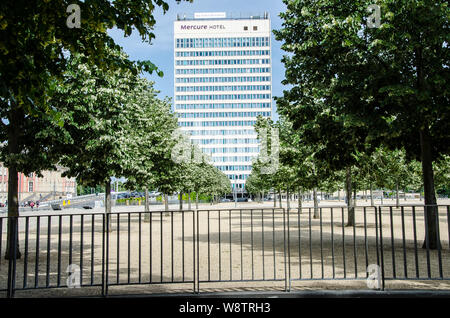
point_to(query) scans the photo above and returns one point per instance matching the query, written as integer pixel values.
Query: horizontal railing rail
(236, 245)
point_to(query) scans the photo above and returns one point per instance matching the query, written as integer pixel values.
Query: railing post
(381, 248)
(12, 252)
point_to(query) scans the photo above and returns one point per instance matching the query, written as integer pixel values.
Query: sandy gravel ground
(250, 249)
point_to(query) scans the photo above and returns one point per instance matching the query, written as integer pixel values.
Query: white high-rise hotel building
(223, 81)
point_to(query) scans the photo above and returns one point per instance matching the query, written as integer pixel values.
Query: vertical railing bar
(427, 242)
(220, 248)
(108, 224)
(229, 227)
(182, 244)
(321, 242)
(194, 242)
(161, 244)
(118, 249)
(251, 240)
(92, 247)
(25, 261)
(288, 250)
(262, 243)
(382, 249)
(150, 223)
(103, 256)
(448, 224)
(47, 274)
(140, 247)
(273, 245)
(242, 257)
(209, 245)
(36, 268)
(171, 241)
(416, 257)
(332, 243)
(354, 244)
(343, 242)
(310, 245)
(405, 266)
(81, 248)
(198, 252)
(1, 238)
(392, 242)
(366, 247)
(377, 247)
(59, 250)
(129, 248)
(70, 238)
(438, 237)
(299, 243)
(11, 280)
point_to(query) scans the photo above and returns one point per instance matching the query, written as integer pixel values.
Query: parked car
(225, 200)
(242, 200)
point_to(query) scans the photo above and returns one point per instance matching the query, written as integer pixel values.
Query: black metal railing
(194, 247)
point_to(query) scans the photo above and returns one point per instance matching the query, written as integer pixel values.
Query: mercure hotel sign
(203, 27)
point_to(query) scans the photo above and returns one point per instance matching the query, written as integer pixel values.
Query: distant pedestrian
(37, 205)
(32, 205)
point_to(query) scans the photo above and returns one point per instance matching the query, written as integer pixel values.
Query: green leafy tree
(34, 52)
(394, 90)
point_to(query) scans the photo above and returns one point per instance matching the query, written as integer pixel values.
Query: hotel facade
(222, 82)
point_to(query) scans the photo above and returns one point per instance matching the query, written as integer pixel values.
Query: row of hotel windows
(223, 70)
(217, 123)
(230, 150)
(224, 141)
(222, 53)
(222, 97)
(223, 88)
(222, 106)
(222, 114)
(238, 177)
(233, 159)
(234, 168)
(231, 132)
(222, 42)
(222, 79)
(221, 62)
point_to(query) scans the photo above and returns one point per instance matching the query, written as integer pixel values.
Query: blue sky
(160, 50)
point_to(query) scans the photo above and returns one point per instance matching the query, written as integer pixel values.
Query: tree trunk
(316, 205)
(288, 205)
(15, 119)
(371, 195)
(196, 200)
(181, 201)
(147, 207)
(274, 199)
(354, 197)
(348, 188)
(189, 200)
(339, 195)
(166, 202)
(279, 197)
(299, 204)
(431, 213)
(396, 195)
(108, 206)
